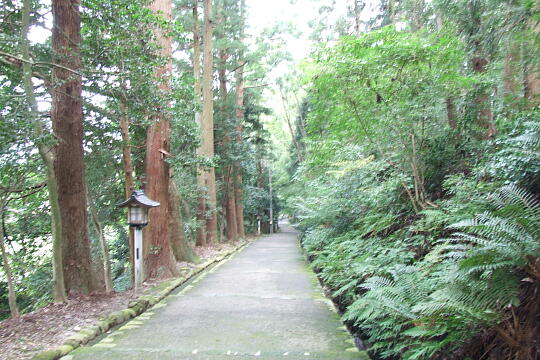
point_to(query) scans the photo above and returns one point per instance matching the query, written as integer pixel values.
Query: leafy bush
(463, 284)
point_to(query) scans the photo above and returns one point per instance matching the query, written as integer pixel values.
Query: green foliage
(421, 230)
(415, 307)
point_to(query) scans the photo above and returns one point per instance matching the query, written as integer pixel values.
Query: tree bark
(511, 65)
(229, 204)
(158, 258)
(201, 183)
(181, 249)
(207, 129)
(391, 11)
(291, 130)
(47, 155)
(12, 295)
(358, 8)
(67, 120)
(103, 245)
(127, 162)
(237, 166)
(451, 112)
(482, 101)
(532, 71)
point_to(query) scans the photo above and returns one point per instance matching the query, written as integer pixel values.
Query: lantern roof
(138, 199)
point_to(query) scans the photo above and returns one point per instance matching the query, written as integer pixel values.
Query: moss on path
(263, 303)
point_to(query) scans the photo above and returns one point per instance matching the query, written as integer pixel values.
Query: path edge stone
(363, 354)
(135, 308)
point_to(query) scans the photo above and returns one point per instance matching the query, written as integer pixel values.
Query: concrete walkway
(262, 303)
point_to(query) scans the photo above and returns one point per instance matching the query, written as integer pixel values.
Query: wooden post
(271, 202)
(138, 263)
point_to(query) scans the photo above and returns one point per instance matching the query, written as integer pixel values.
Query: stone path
(263, 303)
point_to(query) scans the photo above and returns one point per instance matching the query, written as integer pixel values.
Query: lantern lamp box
(138, 205)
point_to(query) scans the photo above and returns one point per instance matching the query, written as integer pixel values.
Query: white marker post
(138, 266)
(271, 202)
(138, 205)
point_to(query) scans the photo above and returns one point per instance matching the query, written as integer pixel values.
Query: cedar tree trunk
(158, 258)
(180, 247)
(67, 120)
(201, 183)
(207, 129)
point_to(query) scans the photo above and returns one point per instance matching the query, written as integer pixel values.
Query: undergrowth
(458, 280)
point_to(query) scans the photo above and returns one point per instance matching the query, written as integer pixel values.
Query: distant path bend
(263, 303)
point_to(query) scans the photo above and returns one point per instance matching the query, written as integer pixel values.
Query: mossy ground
(264, 302)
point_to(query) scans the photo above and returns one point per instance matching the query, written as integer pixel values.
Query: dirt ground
(48, 327)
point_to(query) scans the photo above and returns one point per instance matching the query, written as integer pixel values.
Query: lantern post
(138, 205)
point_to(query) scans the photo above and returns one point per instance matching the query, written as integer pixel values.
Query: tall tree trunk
(291, 130)
(201, 183)
(127, 162)
(181, 249)
(482, 101)
(229, 204)
(451, 112)
(511, 66)
(358, 8)
(47, 156)
(67, 119)
(158, 258)
(207, 129)
(237, 166)
(12, 295)
(238, 182)
(417, 15)
(103, 245)
(391, 4)
(532, 69)
(532, 84)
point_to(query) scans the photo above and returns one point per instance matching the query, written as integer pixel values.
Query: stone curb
(135, 308)
(363, 354)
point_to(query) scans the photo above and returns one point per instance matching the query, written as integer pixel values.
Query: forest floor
(48, 327)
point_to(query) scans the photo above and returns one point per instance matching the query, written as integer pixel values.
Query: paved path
(263, 303)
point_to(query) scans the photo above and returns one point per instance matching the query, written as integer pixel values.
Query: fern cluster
(414, 309)
(422, 286)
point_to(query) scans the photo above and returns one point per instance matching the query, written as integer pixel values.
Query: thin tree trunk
(12, 295)
(237, 166)
(358, 7)
(47, 156)
(103, 244)
(229, 204)
(271, 200)
(127, 162)
(417, 20)
(302, 125)
(207, 143)
(392, 11)
(511, 63)
(158, 258)
(532, 71)
(451, 112)
(532, 84)
(482, 101)
(289, 124)
(181, 249)
(201, 182)
(238, 182)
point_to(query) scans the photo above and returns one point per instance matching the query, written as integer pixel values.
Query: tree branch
(21, 60)
(13, 190)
